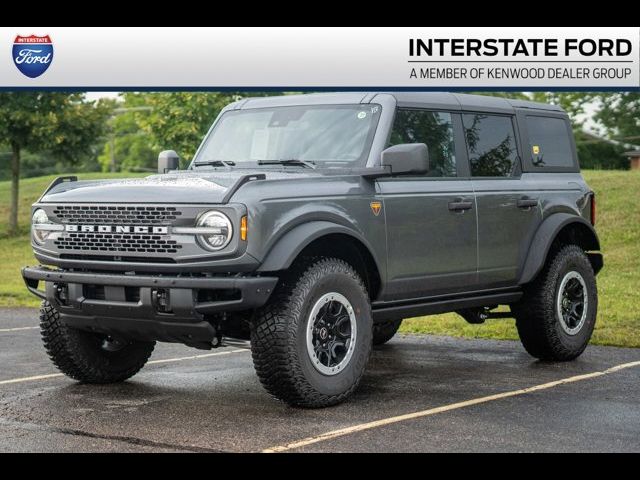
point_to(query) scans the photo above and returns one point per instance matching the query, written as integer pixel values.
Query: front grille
(116, 242)
(116, 214)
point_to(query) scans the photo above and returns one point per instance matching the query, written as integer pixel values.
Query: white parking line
(196, 357)
(30, 379)
(152, 362)
(445, 408)
(17, 329)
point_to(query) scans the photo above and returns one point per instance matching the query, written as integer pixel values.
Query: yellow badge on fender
(536, 149)
(376, 207)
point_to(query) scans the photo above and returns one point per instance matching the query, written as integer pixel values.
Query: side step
(384, 311)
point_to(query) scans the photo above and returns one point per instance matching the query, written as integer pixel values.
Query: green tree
(62, 124)
(179, 120)
(129, 147)
(619, 113)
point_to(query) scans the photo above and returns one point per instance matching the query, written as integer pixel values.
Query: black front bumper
(127, 304)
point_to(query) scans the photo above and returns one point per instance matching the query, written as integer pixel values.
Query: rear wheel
(383, 332)
(90, 357)
(557, 314)
(311, 342)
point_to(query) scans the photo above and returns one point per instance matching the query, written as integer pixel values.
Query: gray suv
(307, 227)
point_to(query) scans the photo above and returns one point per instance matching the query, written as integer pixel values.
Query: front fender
(543, 239)
(289, 246)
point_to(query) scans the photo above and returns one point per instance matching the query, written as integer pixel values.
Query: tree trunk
(15, 185)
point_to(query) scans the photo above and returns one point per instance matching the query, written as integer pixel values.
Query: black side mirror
(406, 158)
(168, 160)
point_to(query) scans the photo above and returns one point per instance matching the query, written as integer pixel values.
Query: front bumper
(128, 304)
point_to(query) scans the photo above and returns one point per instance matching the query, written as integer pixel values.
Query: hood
(180, 187)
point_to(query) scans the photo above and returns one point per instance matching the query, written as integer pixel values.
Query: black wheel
(557, 313)
(311, 342)
(90, 357)
(383, 332)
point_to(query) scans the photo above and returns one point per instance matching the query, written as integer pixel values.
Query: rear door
(508, 207)
(431, 219)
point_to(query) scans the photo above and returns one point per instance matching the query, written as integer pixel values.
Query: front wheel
(557, 314)
(90, 357)
(311, 342)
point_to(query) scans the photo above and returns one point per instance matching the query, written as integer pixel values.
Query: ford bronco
(307, 227)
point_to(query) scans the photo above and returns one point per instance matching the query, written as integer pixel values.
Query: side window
(549, 142)
(435, 129)
(491, 144)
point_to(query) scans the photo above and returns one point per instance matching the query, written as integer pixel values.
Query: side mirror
(168, 160)
(406, 158)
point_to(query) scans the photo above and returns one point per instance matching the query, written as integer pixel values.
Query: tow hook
(62, 293)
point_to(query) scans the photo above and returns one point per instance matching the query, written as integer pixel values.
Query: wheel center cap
(323, 333)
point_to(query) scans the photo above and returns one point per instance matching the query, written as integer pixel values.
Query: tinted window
(491, 144)
(435, 130)
(549, 142)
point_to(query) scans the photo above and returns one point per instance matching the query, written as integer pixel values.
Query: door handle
(526, 203)
(460, 206)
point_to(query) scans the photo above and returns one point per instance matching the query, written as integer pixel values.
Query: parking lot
(420, 393)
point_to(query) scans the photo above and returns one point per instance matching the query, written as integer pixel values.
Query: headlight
(40, 226)
(216, 230)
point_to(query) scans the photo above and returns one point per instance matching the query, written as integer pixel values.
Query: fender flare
(289, 246)
(543, 239)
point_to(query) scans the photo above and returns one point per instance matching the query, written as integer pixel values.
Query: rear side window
(434, 129)
(491, 144)
(549, 142)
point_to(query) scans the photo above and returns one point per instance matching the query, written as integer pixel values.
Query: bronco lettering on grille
(117, 229)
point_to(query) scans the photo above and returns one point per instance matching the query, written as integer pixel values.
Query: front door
(431, 219)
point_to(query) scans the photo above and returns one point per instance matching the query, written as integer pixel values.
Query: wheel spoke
(339, 327)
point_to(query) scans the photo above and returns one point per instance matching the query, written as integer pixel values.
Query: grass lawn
(618, 226)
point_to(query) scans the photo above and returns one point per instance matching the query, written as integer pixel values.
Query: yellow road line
(445, 408)
(17, 329)
(152, 362)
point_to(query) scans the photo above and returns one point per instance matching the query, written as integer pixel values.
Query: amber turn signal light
(243, 228)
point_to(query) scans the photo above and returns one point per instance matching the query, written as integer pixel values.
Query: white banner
(320, 57)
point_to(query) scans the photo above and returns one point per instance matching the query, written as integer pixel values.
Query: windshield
(324, 135)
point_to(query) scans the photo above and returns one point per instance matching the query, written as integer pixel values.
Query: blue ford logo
(32, 55)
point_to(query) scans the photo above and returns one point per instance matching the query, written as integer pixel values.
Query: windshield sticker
(362, 115)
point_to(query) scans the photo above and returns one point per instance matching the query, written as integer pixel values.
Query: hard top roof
(438, 100)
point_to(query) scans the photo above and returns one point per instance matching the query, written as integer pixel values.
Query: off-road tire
(79, 354)
(278, 334)
(383, 332)
(538, 323)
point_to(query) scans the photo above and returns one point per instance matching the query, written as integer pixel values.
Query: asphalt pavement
(420, 394)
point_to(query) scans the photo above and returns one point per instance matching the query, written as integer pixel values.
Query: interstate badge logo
(32, 55)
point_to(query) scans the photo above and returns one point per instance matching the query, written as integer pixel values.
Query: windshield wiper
(292, 161)
(215, 163)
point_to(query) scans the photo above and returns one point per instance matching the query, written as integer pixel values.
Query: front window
(325, 135)
(435, 129)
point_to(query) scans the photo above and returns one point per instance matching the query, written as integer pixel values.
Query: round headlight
(40, 218)
(218, 230)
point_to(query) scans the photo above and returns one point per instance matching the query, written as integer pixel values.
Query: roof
(633, 153)
(442, 100)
